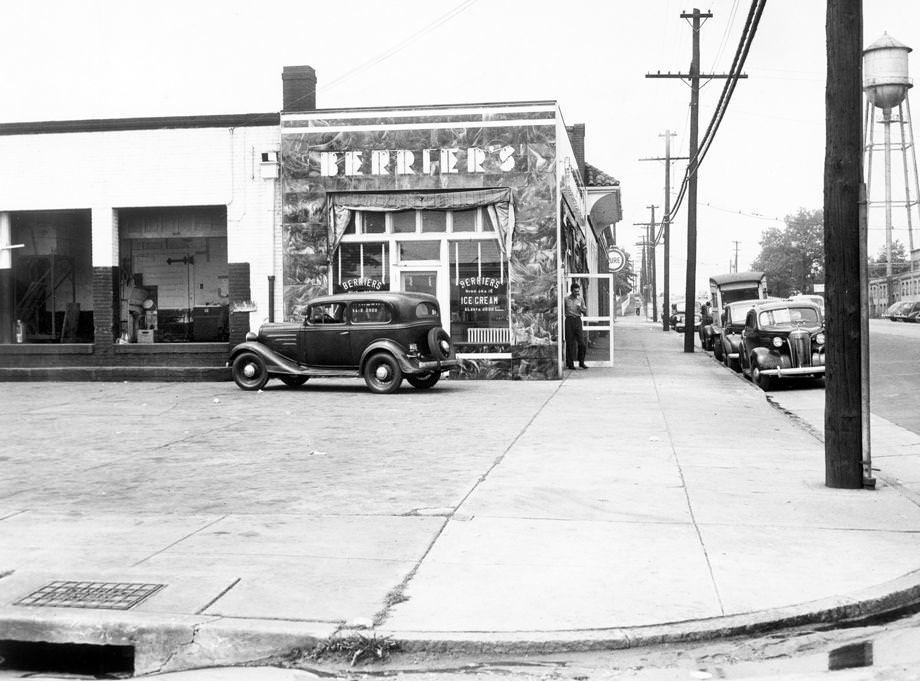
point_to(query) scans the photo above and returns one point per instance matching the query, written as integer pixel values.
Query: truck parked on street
(725, 289)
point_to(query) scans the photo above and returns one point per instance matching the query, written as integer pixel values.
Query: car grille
(800, 348)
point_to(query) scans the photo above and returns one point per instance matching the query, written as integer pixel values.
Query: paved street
(660, 498)
(894, 351)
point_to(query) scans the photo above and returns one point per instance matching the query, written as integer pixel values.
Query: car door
(369, 320)
(326, 336)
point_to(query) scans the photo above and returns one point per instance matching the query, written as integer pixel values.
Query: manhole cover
(107, 595)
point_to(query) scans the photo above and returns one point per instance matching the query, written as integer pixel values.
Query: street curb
(887, 598)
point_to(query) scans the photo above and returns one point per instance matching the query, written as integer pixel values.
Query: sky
(117, 58)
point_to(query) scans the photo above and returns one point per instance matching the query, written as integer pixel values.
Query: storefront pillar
(6, 280)
(105, 281)
(240, 299)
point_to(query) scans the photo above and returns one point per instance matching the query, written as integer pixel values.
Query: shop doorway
(598, 323)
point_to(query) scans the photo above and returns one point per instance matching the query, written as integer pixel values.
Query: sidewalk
(662, 499)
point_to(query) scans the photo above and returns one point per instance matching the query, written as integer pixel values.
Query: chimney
(577, 138)
(299, 85)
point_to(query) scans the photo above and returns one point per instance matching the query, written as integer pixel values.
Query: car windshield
(789, 317)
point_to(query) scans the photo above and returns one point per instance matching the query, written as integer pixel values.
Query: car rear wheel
(249, 371)
(717, 350)
(765, 382)
(424, 381)
(293, 381)
(382, 373)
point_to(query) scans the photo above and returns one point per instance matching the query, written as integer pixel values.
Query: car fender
(391, 347)
(765, 359)
(275, 363)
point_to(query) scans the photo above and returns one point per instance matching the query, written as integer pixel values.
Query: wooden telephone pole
(666, 225)
(694, 77)
(846, 397)
(649, 288)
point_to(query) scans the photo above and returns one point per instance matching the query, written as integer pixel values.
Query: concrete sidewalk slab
(661, 499)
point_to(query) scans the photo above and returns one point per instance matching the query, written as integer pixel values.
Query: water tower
(886, 82)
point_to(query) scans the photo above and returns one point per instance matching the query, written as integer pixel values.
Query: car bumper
(428, 366)
(796, 371)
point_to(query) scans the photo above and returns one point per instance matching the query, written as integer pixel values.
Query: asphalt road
(894, 371)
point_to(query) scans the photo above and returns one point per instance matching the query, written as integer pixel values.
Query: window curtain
(497, 202)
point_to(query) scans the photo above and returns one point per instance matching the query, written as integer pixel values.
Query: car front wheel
(249, 371)
(765, 382)
(382, 373)
(424, 381)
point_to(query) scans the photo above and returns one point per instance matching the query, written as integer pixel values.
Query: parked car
(781, 340)
(383, 336)
(893, 313)
(727, 342)
(908, 312)
(680, 319)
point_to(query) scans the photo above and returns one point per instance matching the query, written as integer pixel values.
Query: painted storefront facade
(467, 203)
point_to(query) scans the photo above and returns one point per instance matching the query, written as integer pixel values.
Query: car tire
(717, 352)
(382, 373)
(436, 337)
(424, 381)
(764, 382)
(249, 371)
(293, 381)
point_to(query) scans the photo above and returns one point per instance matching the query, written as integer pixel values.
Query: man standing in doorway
(574, 333)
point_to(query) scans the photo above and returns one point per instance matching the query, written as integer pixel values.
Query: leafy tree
(793, 256)
(899, 260)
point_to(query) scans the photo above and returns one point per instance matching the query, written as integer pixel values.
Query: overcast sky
(106, 59)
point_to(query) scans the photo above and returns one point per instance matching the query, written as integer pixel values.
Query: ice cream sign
(482, 294)
(493, 158)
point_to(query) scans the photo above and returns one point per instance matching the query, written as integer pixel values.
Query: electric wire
(744, 45)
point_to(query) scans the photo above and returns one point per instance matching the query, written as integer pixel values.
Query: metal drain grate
(105, 595)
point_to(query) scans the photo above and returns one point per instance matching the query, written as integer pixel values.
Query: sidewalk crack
(683, 481)
(179, 540)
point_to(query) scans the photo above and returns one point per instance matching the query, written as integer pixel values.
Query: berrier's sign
(482, 294)
(493, 158)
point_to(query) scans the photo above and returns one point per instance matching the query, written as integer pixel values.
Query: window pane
(330, 313)
(370, 312)
(404, 221)
(419, 250)
(376, 255)
(434, 221)
(350, 255)
(487, 225)
(374, 223)
(350, 229)
(465, 220)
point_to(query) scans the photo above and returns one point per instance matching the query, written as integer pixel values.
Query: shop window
(464, 220)
(174, 275)
(361, 266)
(352, 228)
(52, 277)
(374, 223)
(434, 220)
(479, 320)
(419, 250)
(403, 221)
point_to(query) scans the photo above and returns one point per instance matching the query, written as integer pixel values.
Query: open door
(598, 323)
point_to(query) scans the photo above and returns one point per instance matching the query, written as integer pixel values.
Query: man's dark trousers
(574, 342)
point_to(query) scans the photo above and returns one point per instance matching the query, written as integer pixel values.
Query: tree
(899, 260)
(793, 256)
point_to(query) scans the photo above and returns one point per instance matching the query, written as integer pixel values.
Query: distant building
(906, 286)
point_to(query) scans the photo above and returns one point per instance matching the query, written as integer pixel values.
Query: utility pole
(736, 255)
(666, 225)
(846, 397)
(648, 262)
(694, 77)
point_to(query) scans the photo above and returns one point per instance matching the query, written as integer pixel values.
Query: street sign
(616, 257)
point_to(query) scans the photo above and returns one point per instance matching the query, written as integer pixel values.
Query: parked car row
(904, 311)
(769, 341)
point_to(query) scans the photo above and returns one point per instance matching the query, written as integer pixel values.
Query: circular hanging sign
(616, 258)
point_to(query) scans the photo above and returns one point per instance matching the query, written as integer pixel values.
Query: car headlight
(252, 336)
(777, 342)
(819, 339)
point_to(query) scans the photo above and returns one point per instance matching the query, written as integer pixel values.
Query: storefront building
(146, 248)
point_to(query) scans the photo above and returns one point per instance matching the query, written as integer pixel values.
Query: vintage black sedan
(382, 336)
(780, 340)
